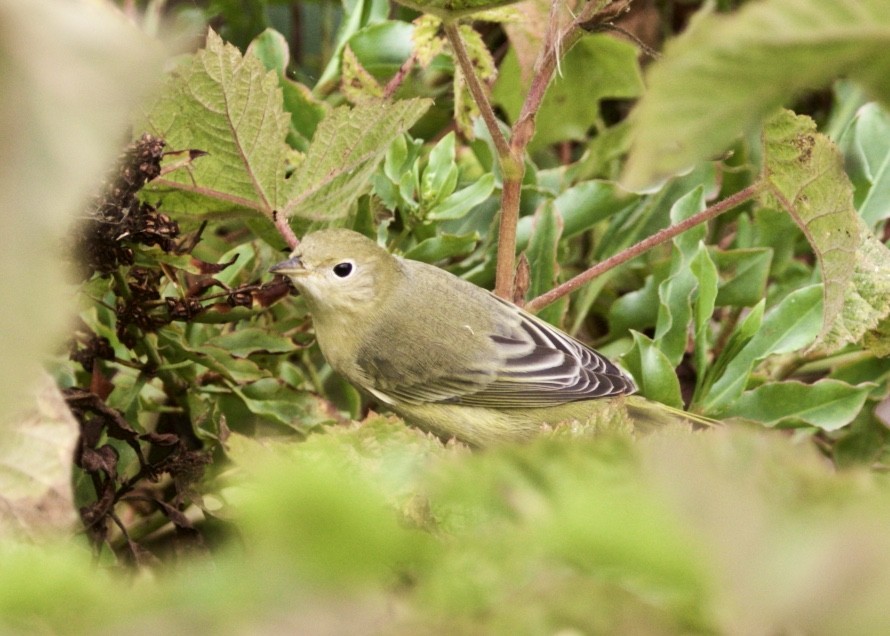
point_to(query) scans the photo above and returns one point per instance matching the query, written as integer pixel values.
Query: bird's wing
(528, 363)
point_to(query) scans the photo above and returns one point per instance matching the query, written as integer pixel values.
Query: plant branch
(511, 163)
(393, 84)
(633, 251)
(452, 32)
(284, 228)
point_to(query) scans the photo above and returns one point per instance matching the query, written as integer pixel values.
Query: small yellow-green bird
(444, 354)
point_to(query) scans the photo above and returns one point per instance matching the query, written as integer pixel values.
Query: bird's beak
(293, 265)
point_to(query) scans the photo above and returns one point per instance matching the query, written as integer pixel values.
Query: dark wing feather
(542, 366)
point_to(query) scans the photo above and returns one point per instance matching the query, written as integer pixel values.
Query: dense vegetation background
(190, 462)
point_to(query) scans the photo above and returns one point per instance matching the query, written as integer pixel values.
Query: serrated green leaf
(462, 202)
(807, 180)
(243, 342)
(356, 83)
(826, 404)
(652, 371)
(726, 73)
(791, 325)
(604, 66)
(866, 303)
(230, 107)
(428, 42)
(344, 153)
(542, 256)
(271, 48)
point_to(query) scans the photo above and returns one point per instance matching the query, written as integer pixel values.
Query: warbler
(444, 354)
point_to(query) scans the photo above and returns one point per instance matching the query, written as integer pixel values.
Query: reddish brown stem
(633, 251)
(285, 230)
(393, 85)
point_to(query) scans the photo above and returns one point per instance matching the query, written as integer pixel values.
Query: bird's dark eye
(343, 269)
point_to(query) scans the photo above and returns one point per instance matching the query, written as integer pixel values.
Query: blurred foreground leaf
(35, 469)
(70, 72)
(726, 73)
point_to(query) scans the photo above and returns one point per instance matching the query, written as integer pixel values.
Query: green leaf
(442, 246)
(652, 371)
(604, 66)
(361, 13)
(270, 398)
(866, 146)
(462, 202)
(727, 73)
(174, 348)
(637, 309)
(675, 292)
(791, 325)
(807, 180)
(344, 154)
(439, 178)
(453, 9)
(383, 47)
(866, 304)
(243, 342)
(542, 256)
(705, 273)
(356, 83)
(272, 50)
(230, 107)
(427, 41)
(826, 404)
(743, 275)
(581, 207)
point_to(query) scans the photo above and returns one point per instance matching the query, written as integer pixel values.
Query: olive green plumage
(444, 354)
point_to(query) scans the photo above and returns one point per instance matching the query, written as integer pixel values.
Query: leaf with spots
(805, 176)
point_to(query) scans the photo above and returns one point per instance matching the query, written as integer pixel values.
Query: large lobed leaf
(344, 153)
(727, 73)
(230, 107)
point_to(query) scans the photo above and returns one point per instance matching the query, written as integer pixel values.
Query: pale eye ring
(344, 269)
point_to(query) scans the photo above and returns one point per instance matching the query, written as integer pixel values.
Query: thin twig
(285, 229)
(452, 32)
(633, 251)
